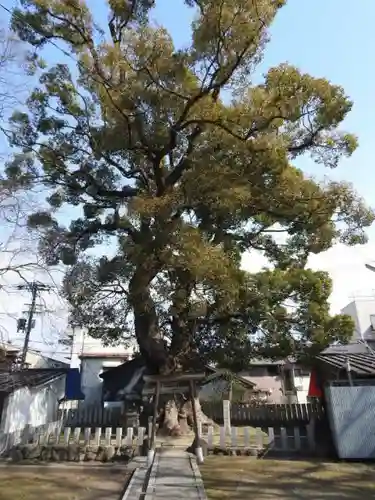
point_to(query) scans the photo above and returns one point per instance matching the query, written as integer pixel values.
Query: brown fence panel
(97, 416)
(274, 414)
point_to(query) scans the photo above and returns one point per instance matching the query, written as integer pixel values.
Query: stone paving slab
(174, 474)
(136, 486)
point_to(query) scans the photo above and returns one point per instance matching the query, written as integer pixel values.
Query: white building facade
(362, 310)
(93, 359)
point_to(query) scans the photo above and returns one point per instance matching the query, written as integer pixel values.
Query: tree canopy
(175, 163)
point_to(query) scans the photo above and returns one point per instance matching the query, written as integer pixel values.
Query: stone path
(174, 475)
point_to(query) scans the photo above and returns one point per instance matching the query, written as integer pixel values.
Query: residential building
(10, 357)
(37, 359)
(126, 382)
(283, 380)
(362, 310)
(94, 358)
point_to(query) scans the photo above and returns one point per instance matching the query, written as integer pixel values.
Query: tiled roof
(122, 356)
(9, 348)
(33, 377)
(362, 364)
(354, 347)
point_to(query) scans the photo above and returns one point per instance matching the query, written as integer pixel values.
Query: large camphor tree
(175, 163)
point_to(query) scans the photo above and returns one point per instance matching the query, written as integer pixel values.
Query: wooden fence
(53, 433)
(242, 414)
(95, 416)
(278, 439)
(273, 438)
(238, 414)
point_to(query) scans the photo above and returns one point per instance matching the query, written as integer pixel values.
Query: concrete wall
(91, 383)
(34, 407)
(360, 310)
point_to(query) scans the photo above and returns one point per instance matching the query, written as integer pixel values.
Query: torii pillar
(170, 384)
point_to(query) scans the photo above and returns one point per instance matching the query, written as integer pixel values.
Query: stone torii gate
(171, 384)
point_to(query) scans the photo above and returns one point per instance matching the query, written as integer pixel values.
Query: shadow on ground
(43, 483)
(241, 478)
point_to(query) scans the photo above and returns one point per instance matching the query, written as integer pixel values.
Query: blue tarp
(73, 385)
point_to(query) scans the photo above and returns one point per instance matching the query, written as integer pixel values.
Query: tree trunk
(176, 417)
(146, 324)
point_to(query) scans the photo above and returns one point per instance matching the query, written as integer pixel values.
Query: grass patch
(241, 478)
(46, 483)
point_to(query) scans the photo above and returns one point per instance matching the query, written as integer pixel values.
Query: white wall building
(302, 385)
(29, 400)
(362, 310)
(93, 358)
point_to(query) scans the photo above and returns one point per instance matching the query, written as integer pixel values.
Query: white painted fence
(54, 434)
(283, 439)
(247, 437)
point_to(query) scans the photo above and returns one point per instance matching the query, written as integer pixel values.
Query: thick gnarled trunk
(176, 417)
(146, 324)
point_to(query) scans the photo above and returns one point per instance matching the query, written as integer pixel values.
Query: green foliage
(175, 182)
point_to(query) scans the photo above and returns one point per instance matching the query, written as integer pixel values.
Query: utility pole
(34, 287)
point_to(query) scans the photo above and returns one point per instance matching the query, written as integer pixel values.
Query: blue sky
(326, 38)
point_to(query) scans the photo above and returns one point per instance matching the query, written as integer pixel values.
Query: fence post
(246, 435)
(222, 437)
(271, 437)
(67, 431)
(259, 438)
(199, 424)
(141, 436)
(226, 416)
(129, 436)
(108, 435)
(310, 429)
(210, 437)
(297, 438)
(118, 436)
(284, 439)
(87, 435)
(234, 437)
(98, 434)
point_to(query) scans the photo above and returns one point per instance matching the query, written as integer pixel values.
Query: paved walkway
(175, 475)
